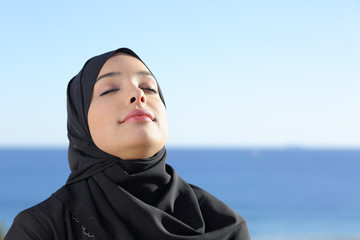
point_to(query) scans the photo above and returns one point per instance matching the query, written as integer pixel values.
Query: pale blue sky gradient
(234, 73)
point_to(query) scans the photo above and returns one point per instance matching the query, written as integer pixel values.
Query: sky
(234, 73)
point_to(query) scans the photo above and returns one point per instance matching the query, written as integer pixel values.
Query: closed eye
(109, 91)
(150, 90)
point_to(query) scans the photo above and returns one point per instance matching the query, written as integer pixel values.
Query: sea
(284, 194)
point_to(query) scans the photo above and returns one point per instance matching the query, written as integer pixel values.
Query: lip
(138, 115)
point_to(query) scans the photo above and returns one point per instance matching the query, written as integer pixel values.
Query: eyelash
(149, 89)
(109, 91)
(116, 89)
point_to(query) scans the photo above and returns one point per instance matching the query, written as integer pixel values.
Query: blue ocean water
(283, 194)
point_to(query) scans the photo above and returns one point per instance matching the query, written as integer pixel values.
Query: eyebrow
(115, 74)
(110, 74)
(144, 73)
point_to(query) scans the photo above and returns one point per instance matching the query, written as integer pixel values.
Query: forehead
(122, 62)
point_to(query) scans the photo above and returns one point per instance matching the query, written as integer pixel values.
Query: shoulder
(214, 210)
(207, 199)
(212, 204)
(204, 196)
(37, 222)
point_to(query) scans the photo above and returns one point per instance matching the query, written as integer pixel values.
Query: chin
(138, 152)
(135, 144)
(138, 148)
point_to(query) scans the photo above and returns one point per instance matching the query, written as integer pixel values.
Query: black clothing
(53, 219)
(109, 198)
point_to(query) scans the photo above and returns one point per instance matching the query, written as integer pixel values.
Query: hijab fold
(134, 199)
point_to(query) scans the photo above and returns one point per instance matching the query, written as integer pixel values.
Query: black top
(54, 219)
(109, 198)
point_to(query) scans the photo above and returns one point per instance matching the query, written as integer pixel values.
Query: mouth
(138, 115)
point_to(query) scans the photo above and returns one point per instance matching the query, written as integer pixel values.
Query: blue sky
(234, 73)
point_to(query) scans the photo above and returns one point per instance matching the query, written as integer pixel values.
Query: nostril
(142, 99)
(133, 99)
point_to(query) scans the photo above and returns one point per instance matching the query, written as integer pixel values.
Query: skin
(114, 97)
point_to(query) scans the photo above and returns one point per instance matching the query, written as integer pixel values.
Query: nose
(137, 97)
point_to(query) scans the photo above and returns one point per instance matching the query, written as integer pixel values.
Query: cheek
(98, 119)
(163, 120)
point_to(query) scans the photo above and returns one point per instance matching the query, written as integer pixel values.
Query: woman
(120, 186)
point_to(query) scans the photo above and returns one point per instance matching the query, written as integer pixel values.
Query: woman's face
(126, 116)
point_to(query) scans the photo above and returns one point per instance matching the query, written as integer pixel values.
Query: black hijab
(134, 199)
